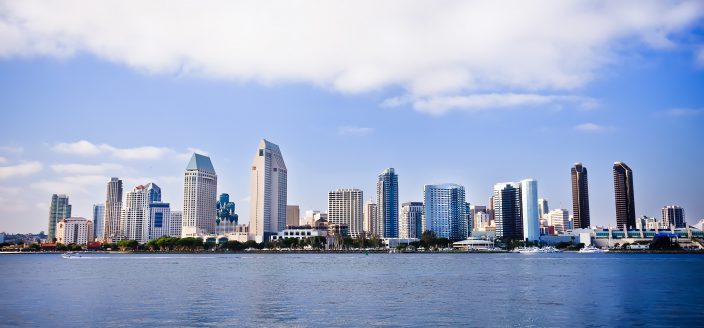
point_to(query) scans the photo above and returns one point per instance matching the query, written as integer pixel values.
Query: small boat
(527, 250)
(592, 249)
(69, 255)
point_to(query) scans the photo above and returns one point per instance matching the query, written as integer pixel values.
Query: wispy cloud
(11, 149)
(71, 185)
(357, 131)
(591, 128)
(477, 102)
(432, 50)
(682, 112)
(85, 168)
(699, 57)
(19, 170)
(87, 148)
(3, 160)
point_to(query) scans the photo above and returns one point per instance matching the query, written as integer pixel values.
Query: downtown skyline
(629, 92)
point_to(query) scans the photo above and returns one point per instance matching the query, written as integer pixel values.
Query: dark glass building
(625, 201)
(507, 211)
(580, 197)
(387, 197)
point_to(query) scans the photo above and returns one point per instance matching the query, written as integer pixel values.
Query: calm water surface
(313, 290)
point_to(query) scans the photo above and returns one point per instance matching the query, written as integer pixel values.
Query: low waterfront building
(74, 231)
(392, 243)
(473, 244)
(300, 232)
(238, 233)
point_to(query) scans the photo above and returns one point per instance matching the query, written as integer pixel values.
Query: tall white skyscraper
(200, 186)
(113, 208)
(371, 218)
(134, 218)
(74, 230)
(529, 209)
(445, 209)
(410, 220)
(345, 207)
(268, 192)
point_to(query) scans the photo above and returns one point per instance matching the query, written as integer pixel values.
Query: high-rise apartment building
(345, 208)
(387, 206)
(159, 220)
(293, 215)
(507, 210)
(134, 218)
(60, 209)
(76, 230)
(673, 216)
(580, 196)
(268, 192)
(98, 220)
(175, 223)
(113, 209)
(445, 211)
(411, 220)
(560, 219)
(371, 218)
(199, 197)
(625, 200)
(529, 209)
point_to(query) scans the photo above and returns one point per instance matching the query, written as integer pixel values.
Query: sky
(474, 93)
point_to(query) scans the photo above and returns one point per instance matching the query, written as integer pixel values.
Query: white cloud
(85, 168)
(81, 147)
(87, 148)
(354, 131)
(3, 160)
(683, 112)
(11, 149)
(443, 104)
(71, 185)
(427, 48)
(22, 169)
(591, 128)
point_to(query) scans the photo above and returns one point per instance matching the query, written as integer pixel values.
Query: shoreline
(345, 252)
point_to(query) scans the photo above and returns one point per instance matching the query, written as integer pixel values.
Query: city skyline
(525, 98)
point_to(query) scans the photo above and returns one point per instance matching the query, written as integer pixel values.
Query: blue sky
(94, 93)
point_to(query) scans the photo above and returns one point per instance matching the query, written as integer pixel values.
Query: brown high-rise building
(580, 196)
(625, 201)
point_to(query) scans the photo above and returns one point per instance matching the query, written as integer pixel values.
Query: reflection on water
(352, 290)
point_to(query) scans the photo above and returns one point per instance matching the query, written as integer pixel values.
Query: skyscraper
(268, 191)
(293, 215)
(411, 220)
(153, 193)
(625, 201)
(113, 208)
(387, 197)
(345, 207)
(543, 207)
(226, 220)
(59, 210)
(175, 223)
(529, 209)
(98, 220)
(673, 216)
(199, 197)
(507, 210)
(371, 218)
(560, 219)
(445, 211)
(134, 217)
(580, 197)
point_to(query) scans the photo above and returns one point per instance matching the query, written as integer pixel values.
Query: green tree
(124, 245)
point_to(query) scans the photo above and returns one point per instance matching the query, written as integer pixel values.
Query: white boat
(69, 255)
(535, 250)
(592, 249)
